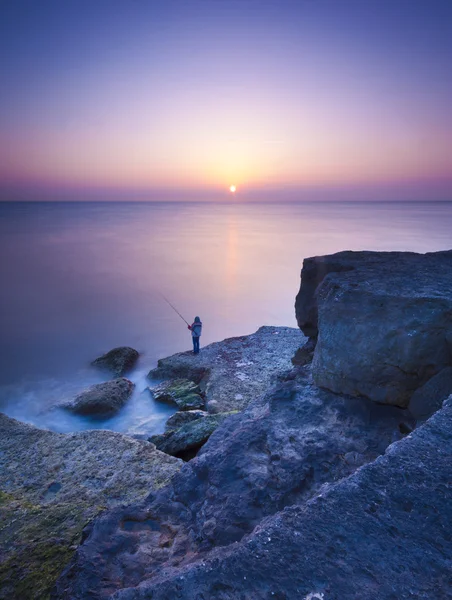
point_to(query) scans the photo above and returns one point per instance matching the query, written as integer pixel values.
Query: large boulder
(103, 399)
(52, 485)
(118, 361)
(383, 321)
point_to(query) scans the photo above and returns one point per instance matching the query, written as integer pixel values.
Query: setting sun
(232, 189)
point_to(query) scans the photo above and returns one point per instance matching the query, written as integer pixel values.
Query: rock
(103, 399)
(383, 533)
(304, 355)
(429, 398)
(279, 456)
(190, 437)
(384, 321)
(182, 392)
(183, 417)
(313, 273)
(119, 360)
(52, 485)
(235, 371)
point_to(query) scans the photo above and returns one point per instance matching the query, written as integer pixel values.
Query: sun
(232, 189)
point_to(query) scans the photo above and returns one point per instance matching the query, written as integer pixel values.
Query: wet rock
(189, 437)
(183, 417)
(429, 398)
(52, 485)
(182, 392)
(235, 371)
(103, 399)
(383, 321)
(118, 361)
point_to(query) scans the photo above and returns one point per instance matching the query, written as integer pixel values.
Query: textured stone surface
(382, 534)
(103, 399)
(383, 320)
(280, 452)
(429, 398)
(51, 485)
(233, 372)
(118, 361)
(185, 394)
(190, 436)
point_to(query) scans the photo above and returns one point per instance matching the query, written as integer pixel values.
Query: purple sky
(291, 99)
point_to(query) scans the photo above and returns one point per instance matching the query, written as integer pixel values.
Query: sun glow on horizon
(232, 189)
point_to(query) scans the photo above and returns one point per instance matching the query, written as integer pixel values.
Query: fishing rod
(174, 308)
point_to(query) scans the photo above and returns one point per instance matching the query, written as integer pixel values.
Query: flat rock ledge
(52, 485)
(382, 320)
(234, 371)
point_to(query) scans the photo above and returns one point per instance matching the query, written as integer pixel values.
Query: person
(196, 328)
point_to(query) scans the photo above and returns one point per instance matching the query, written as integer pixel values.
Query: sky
(286, 99)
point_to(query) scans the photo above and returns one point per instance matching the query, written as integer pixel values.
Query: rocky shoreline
(52, 485)
(326, 480)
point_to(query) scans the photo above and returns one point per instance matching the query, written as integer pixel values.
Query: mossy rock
(39, 541)
(52, 485)
(184, 393)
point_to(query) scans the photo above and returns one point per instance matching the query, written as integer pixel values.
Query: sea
(78, 279)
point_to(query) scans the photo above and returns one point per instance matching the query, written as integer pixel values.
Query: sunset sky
(174, 99)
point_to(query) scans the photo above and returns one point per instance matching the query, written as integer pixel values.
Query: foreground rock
(185, 441)
(118, 361)
(185, 394)
(237, 521)
(384, 533)
(383, 321)
(103, 399)
(52, 485)
(233, 372)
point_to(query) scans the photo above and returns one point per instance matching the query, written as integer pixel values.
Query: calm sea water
(79, 279)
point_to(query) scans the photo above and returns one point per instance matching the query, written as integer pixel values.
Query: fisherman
(196, 328)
